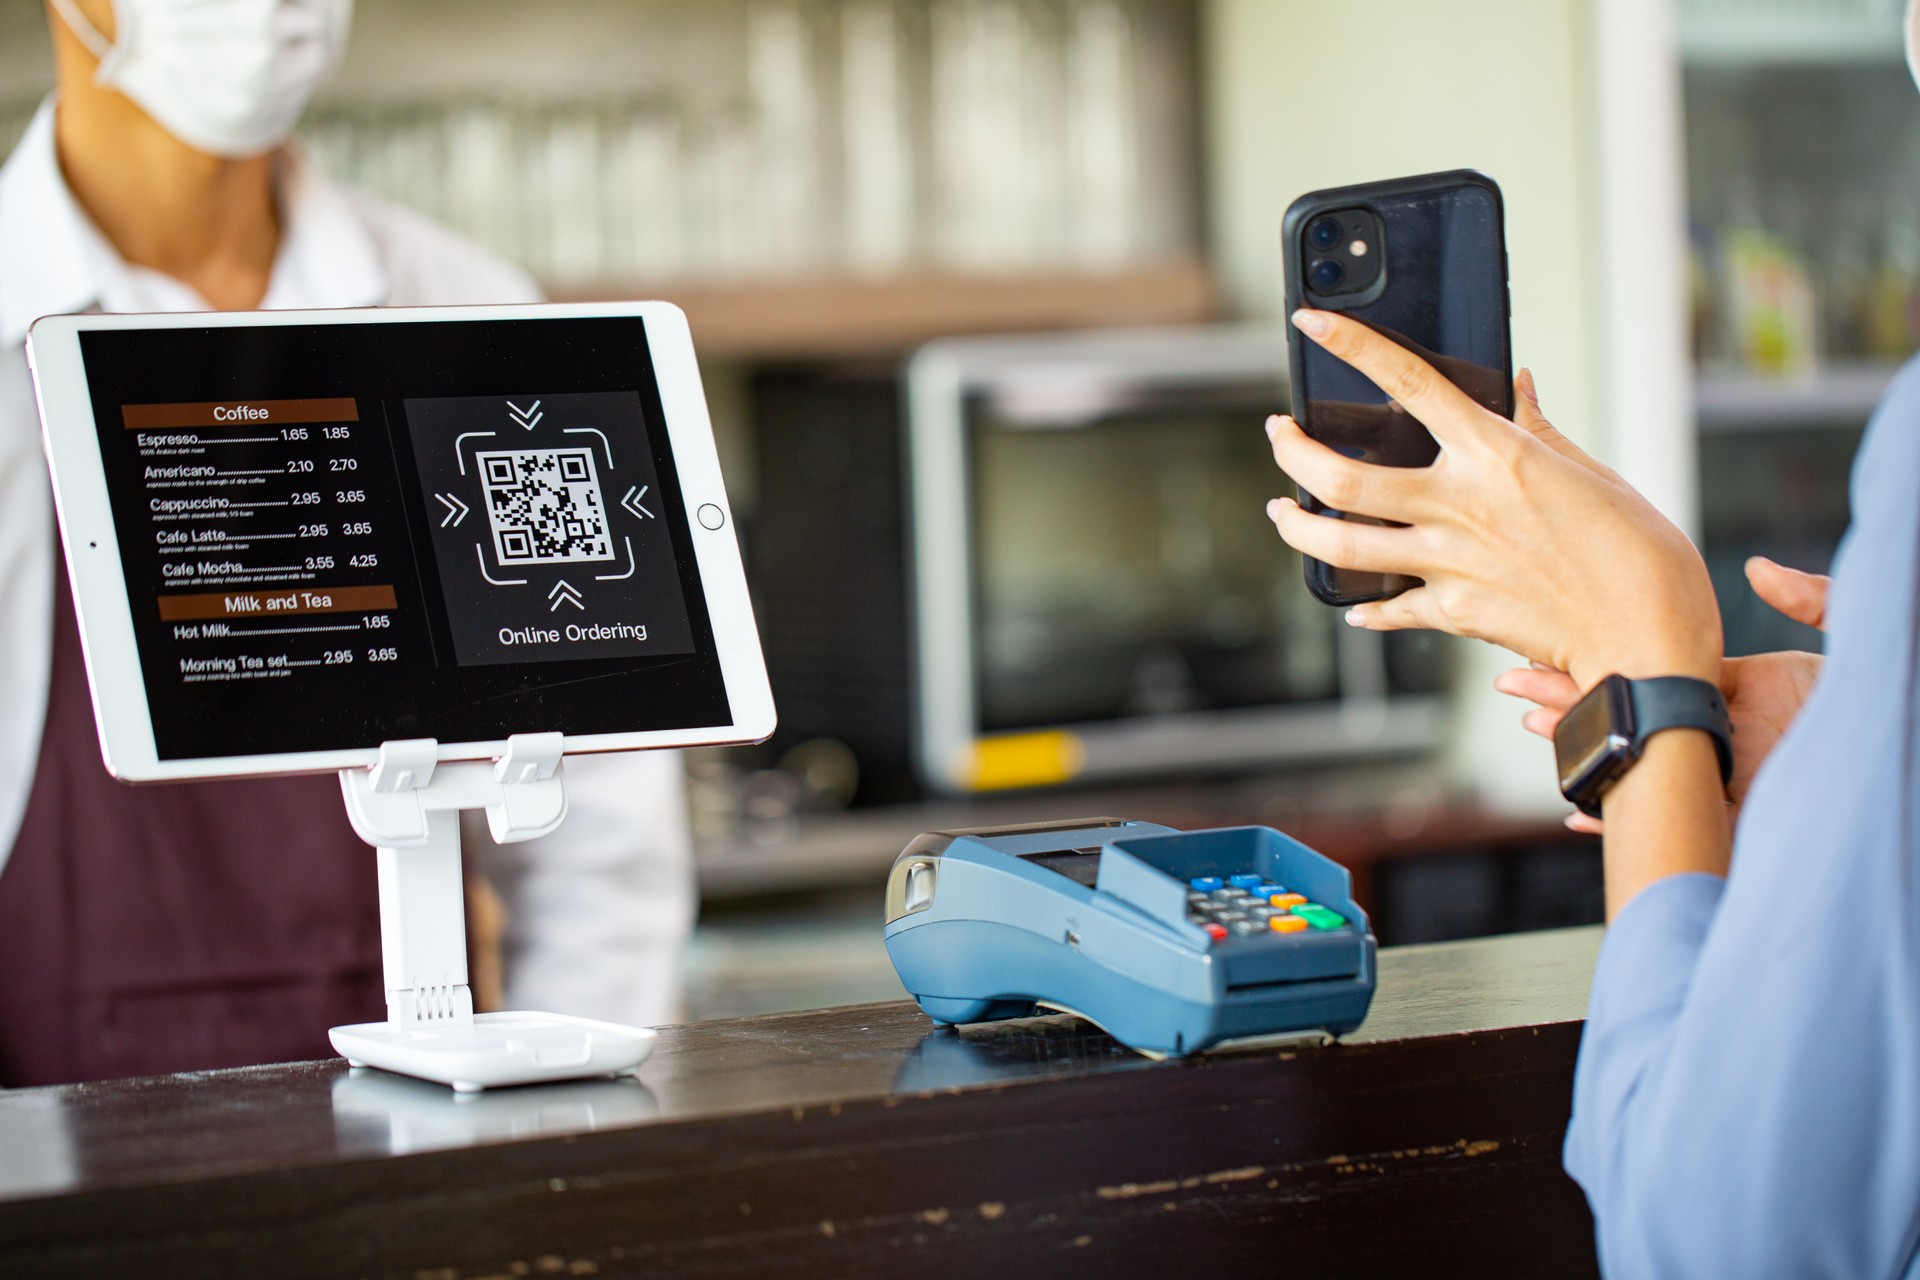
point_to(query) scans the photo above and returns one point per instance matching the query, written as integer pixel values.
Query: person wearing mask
(1747, 1099)
(218, 924)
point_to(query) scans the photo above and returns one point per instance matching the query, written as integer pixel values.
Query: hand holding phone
(1518, 538)
(1423, 262)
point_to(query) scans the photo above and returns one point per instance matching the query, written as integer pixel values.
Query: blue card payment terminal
(1172, 941)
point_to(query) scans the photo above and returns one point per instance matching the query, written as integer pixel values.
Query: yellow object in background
(1024, 760)
(1771, 304)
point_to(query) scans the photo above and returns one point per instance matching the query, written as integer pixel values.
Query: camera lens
(1324, 233)
(1325, 274)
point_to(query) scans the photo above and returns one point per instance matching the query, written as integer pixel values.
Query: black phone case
(1442, 293)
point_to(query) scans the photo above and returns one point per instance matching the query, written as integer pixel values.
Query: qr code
(545, 506)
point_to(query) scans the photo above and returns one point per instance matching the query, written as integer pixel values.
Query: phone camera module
(1324, 233)
(1325, 275)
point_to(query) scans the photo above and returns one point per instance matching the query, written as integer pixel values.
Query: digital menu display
(337, 535)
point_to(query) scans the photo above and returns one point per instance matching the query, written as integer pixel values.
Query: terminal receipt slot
(408, 807)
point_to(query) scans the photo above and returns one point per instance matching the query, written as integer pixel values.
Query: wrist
(1698, 658)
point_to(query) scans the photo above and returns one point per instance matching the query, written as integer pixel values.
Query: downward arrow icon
(528, 417)
(564, 592)
(456, 510)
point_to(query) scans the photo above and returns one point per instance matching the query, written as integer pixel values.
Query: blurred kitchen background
(988, 296)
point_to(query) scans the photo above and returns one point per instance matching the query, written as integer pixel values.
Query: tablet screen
(337, 535)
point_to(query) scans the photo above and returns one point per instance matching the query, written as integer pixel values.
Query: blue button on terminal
(1205, 884)
(1245, 881)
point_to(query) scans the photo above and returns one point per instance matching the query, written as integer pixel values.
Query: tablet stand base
(408, 807)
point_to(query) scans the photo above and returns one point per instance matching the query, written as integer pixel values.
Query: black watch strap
(1682, 702)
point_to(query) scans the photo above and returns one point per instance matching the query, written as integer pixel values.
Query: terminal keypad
(1249, 906)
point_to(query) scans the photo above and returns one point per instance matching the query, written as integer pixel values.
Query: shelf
(825, 318)
(1839, 395)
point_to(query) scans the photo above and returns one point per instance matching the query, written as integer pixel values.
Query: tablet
(293, 536)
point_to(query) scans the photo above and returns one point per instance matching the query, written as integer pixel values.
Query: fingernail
(1312, 323)
(1355, 618)
(1273, 425)
(1527, 388)
(1278, 505)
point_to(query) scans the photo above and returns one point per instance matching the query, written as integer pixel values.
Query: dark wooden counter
(856, 1142)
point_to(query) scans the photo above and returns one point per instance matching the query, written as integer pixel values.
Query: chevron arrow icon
(456, 510)
(564, 592)
(528, 417)
(632, 503)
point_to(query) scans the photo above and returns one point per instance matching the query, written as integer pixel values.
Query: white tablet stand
(408, 807)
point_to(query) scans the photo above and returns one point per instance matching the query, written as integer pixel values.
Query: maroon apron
(175, 926)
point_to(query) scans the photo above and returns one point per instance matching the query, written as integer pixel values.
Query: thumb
(1527, 416)
(1801, 596)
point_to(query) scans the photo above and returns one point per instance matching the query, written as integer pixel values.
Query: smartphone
(1423, 261)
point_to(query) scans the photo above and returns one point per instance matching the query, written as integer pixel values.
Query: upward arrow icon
(564, 592)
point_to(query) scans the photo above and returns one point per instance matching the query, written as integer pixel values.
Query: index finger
(1419, 388)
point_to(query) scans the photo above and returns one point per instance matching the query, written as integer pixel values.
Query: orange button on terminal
(1286, 924)
(1285, 900)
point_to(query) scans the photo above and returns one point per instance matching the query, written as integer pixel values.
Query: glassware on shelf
(1888, 323)
(862, 136)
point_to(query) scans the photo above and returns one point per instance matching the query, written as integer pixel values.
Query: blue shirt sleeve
(1747, 1101)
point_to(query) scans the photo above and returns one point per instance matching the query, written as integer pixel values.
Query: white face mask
(228, 77)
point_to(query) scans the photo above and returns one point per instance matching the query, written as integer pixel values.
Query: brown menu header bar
(276, 604)
(237, 413)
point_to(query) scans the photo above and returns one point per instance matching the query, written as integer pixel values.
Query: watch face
(1594, 740)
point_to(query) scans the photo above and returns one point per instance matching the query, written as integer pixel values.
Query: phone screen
(1422, 261)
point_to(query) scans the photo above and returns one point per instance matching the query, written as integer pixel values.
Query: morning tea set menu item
(342, 569)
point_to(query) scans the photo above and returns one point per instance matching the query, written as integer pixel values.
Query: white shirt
(598, 912)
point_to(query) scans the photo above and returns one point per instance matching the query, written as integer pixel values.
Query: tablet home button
(711, 517)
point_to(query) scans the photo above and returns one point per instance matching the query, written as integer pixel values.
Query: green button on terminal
(1318, 916)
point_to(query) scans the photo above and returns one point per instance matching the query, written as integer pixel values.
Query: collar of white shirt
(54, 261)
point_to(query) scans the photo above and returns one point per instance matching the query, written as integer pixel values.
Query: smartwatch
(1605, 732)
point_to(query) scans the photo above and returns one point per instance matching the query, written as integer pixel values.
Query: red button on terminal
(1218, 932)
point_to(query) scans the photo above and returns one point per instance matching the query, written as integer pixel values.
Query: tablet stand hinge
(408, 806)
